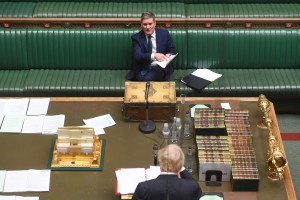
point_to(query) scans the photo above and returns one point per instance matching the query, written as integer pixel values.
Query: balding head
(171, 158)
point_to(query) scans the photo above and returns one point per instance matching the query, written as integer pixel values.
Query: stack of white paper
(17, 198)
(13, 116)
(27, 180)
(207, 74)
(129, 178)
(38, 106)
(12, 123)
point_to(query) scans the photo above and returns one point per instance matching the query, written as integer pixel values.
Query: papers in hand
(165, 63)
(200, 78)
(129, 178)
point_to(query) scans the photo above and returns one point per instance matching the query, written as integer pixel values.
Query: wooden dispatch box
(161, 101)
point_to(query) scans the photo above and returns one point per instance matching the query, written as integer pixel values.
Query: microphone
(147, 126)
(155, 150)
(147, 90)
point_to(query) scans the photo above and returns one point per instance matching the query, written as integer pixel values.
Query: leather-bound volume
(161, 103)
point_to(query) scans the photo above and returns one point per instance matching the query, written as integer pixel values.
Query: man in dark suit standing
(174, 182)
(149, 45)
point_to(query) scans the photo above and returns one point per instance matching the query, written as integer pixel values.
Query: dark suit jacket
(142, 59)
(185, 188)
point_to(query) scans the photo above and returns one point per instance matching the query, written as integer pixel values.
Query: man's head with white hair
(171, 158)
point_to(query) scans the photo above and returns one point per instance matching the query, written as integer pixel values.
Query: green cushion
(16, 9)
(13, 49)
(79, 48)
(182, 1)
(12, 82)
(107, 9)
(242, 10)
(276, 83)
(243, 48)
(75, 83)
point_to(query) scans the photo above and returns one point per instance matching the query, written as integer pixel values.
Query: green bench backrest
(107, 9)
(79, 48)
(134, 10)
(13, 52)
(182, 1)
(88, 48)
(243, 48)
(242, 10)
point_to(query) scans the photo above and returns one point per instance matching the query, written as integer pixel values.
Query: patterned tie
(149, 44)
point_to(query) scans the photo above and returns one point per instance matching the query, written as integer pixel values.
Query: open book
(200, 78)
(129, 178)
(164, 63)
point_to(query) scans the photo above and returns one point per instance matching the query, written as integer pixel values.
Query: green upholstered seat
(274, 83)
(94, 62)
(181, 1)
(16, 9)
(242, 10)
(165, 9)
(108, 9)
(79, 48)
(13, 49)
(12, 82)
(60, 82)
(233, 48)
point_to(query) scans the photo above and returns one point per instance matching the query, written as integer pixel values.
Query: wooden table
(126, 147)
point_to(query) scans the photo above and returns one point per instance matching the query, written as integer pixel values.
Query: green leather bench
(93, 62)
(162, 9)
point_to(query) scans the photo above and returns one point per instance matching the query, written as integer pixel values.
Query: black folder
(195, 82)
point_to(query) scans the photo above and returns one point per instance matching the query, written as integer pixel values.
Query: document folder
(200, 78)
(195, 82)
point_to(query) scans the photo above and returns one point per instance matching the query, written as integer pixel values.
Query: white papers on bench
(200, 78)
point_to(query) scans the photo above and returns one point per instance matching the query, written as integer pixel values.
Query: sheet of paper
(98, 131)
(153, 172)
(2, 179)
(211, 197)
(129, 178)
(17, 198)
(1, 119)
(27, 198)
(100, 122)
(206, 74)
(164, 63)
(196, 106)
(27, 180)
(38, 106)
(38, 180)
(33, 124)
(7, 197)
(12, 123)
(226, 106)
(52, 123)
(16, 106)
(3, 102)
